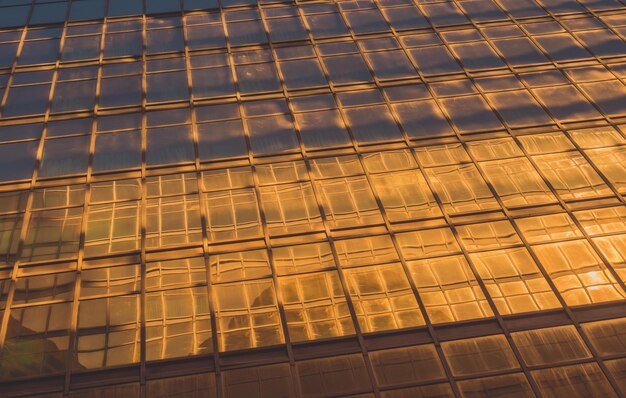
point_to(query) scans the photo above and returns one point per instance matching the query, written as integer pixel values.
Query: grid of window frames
(363, 198)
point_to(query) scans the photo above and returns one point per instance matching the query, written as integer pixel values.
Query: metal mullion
(597, 17)
(143, 206)
(562, 203)
(452, 226)
(257, 190)
(573, 83)
(201, 200)
(318, 195)
(4, 320)
(312, 179)
(547, 277)
(72, 351)
(229, 53)
(576, 85)
(29, 201)
(388, 224)
(18, 53)
(518, 231)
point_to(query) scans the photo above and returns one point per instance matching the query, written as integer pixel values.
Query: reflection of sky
(182, 179)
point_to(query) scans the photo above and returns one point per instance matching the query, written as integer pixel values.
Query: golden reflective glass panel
(405, 195)
(479, 355)
(247, 315)
(366, 251)
(348, 202)
(240, 265)
(449, 289)
(315, 306)
(602, 220)
(290, 208)
(180, 272)
(578, 273)
(517, 182)
(427, 243)
(510, 385)
(232, 215)
(335, 376)
(461, 189)
(178, 323)
(571, 176)
(548, 228)
(112, 228)
(399, 366)
(53, 234)
(303, 258)
(383, 298)
(259, 382)
(36, 341)
(173, 220)
(607, 337)
(576, 381)
(550, 345)
(514, 281)
(194, 386)
(488, 235)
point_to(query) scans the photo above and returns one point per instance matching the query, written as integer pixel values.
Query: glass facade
(313, 198)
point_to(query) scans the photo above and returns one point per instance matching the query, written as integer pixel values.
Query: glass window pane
(261, 381)
(405, 195)
(221, 140)
(449, 289)
(404, 365)
(38, 342)
(348, 202)
(173, 220)
(53, 234)
(513, 385)
(169, 145)
(17, 160)
(347, 69)
(120, 91)
(550, 345)
(333, 376)
(461, 188)
(576, 381)
(372, 123)
(272, 134)
(422, 119)
(514, 281)
(108, 332)
(479, 355)
(302, 73)
(383, 298)
(178, 323)
(315, 306)
(578, 273)
(26, 100)
(117, 151)
(232, 214)
(65, 156)
(247, 315)
(322, 129)
(290, 208)
(112, 228)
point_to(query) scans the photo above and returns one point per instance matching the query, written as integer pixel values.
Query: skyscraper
(359, 198)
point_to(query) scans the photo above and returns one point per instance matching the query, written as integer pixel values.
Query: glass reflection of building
(360, 198)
